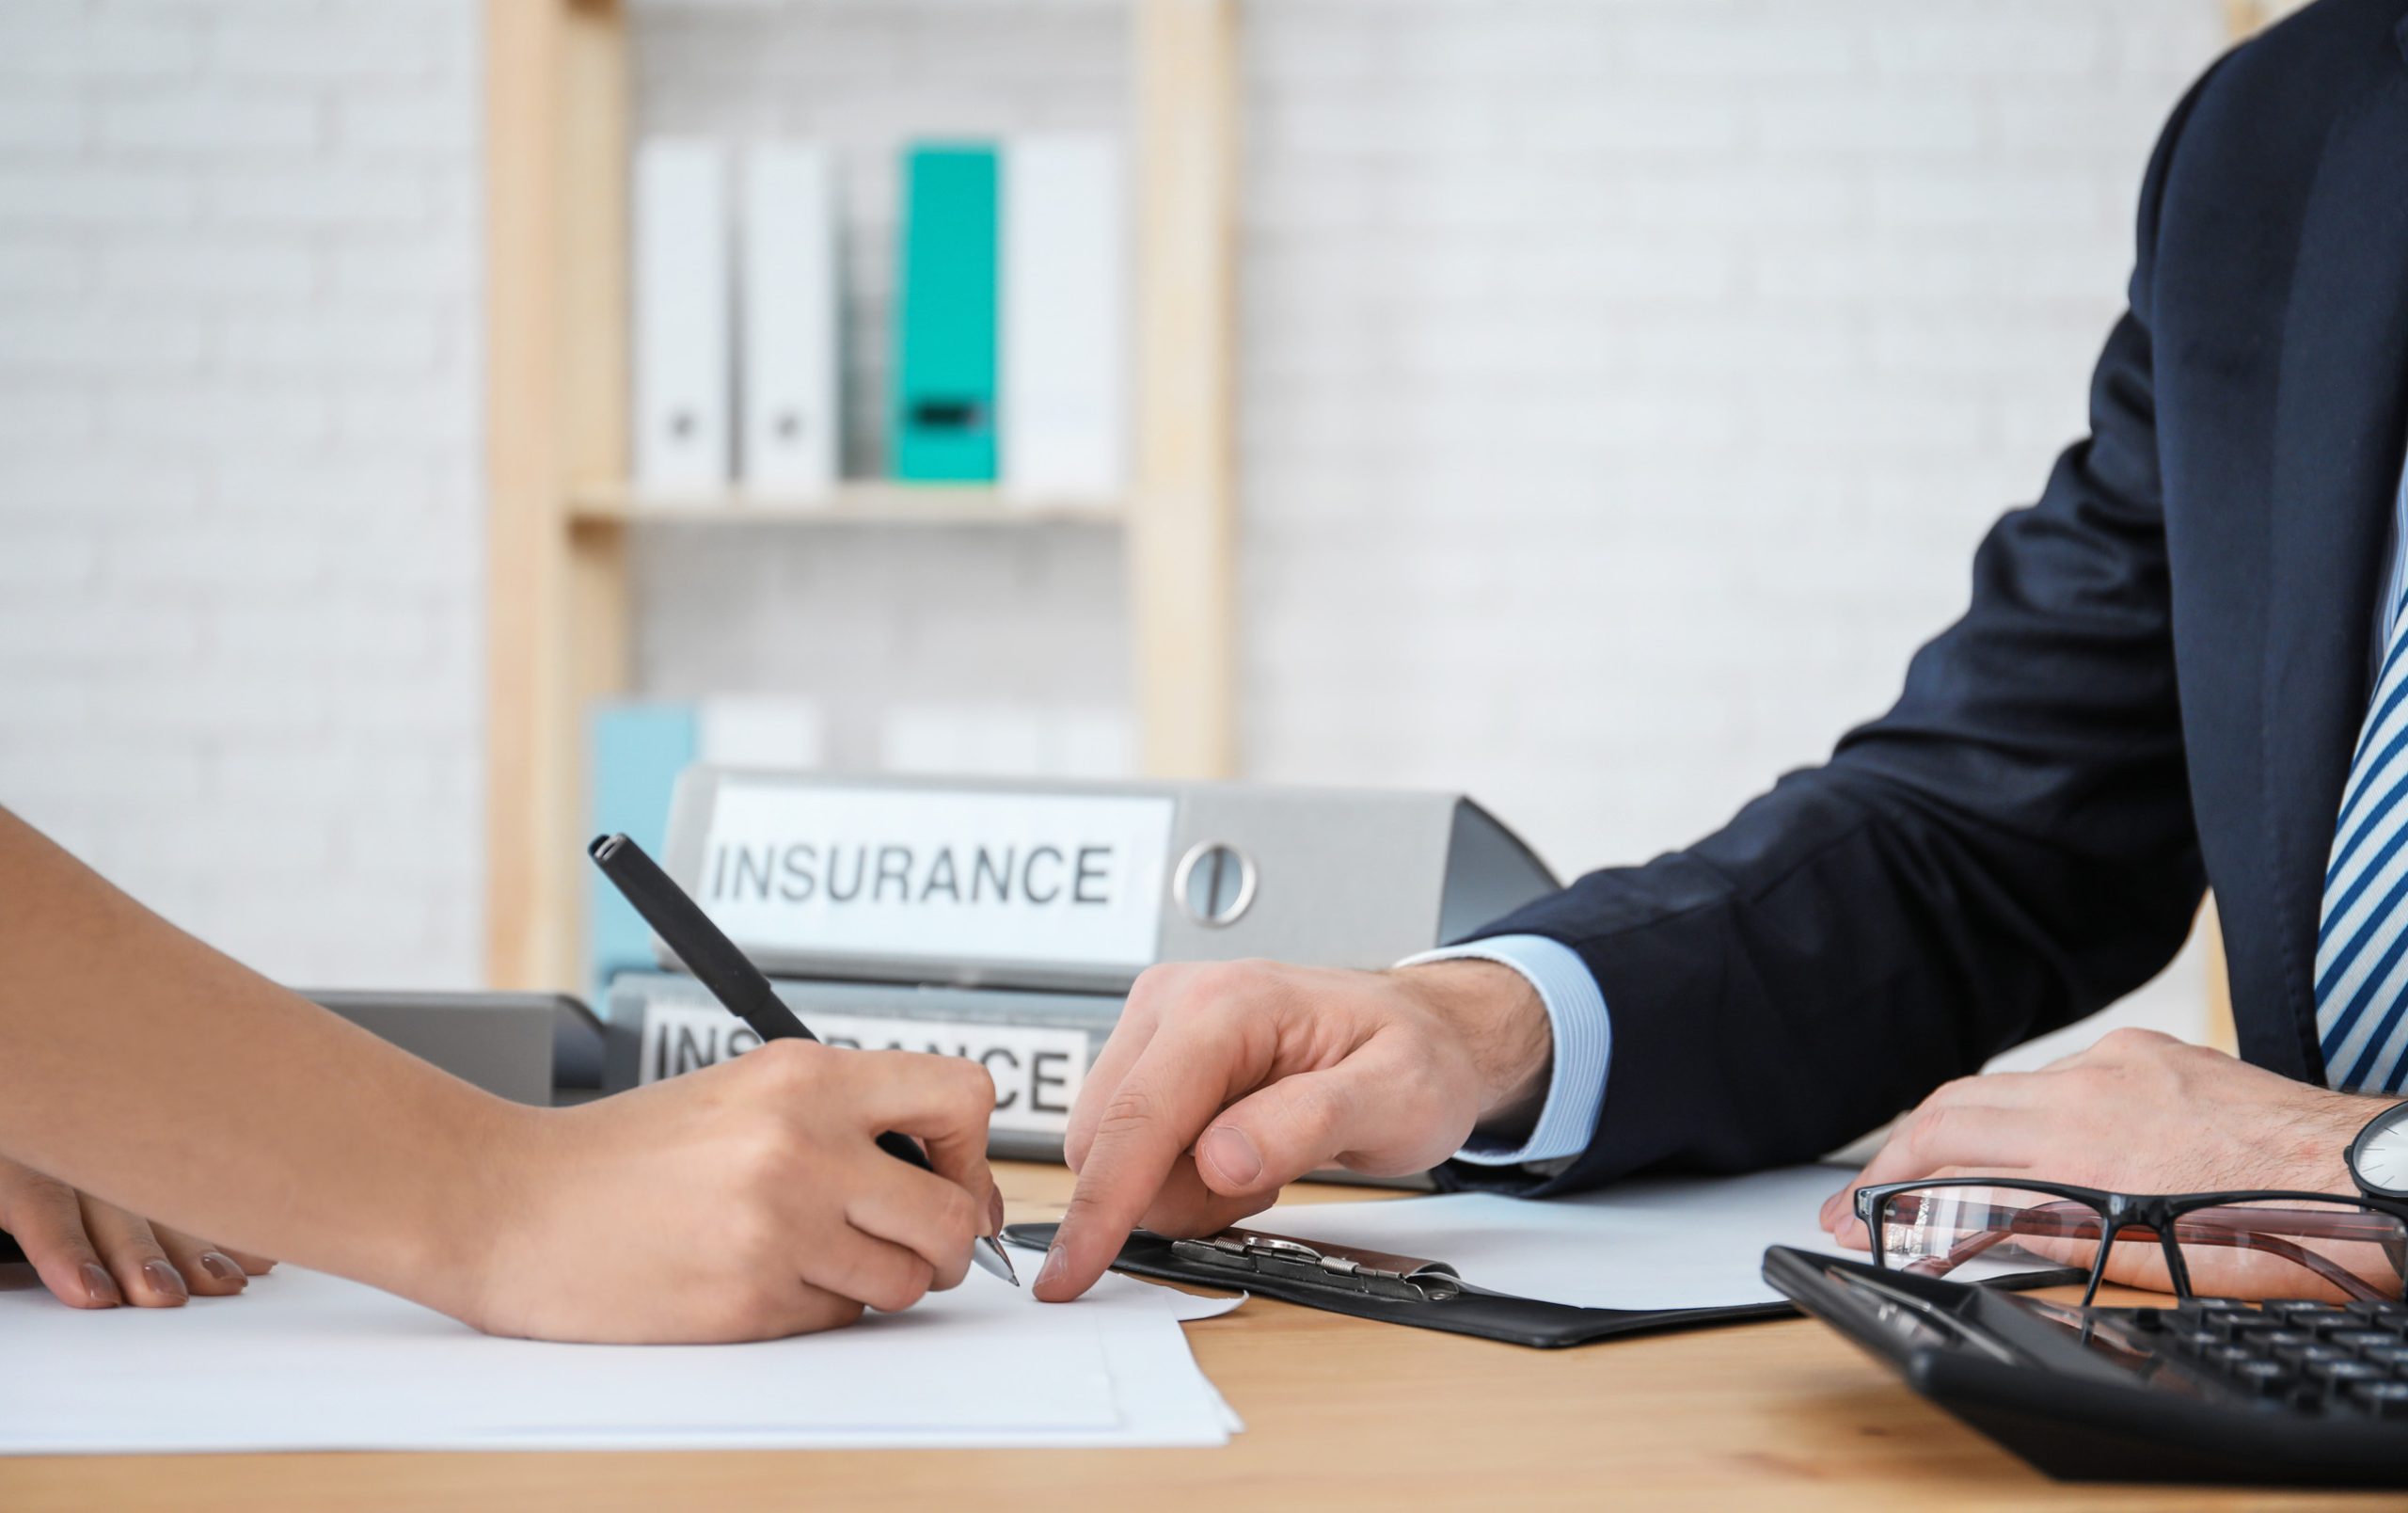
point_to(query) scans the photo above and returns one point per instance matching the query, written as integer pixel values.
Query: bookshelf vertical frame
(559, 616)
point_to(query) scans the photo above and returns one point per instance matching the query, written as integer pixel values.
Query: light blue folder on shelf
(638, 749)
(944, 411)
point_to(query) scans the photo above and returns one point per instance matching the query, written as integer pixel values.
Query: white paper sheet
(1657, 1243)
(307, 1361)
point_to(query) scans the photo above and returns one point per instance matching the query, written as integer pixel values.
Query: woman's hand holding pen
(737, 1202)
(743, 1201)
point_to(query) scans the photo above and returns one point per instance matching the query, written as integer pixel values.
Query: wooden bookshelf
(2243, 18)
(558, 610)
(861, 503)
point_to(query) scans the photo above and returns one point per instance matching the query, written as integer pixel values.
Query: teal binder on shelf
(944, 413)
(638, 749)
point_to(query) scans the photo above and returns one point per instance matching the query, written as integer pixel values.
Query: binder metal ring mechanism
(1394, 1289)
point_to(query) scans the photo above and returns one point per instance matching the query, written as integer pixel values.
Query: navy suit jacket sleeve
(2009, 848)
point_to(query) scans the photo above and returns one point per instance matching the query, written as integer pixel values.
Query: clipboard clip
(1372, 1273)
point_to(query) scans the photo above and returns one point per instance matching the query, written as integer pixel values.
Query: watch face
(2379, 1156)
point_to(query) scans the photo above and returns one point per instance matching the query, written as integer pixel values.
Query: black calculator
(2282, 1392)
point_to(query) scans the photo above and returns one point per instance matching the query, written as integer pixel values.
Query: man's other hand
(2137, 1112)
(1225, 1080)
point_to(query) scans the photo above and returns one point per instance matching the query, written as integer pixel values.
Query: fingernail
(221, 1266)
(1055, 1264)
(995, 1212)
(1239, 1162)
(166, 1280)
(100, 1288)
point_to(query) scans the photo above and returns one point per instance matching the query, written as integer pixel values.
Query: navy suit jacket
(2155, 688)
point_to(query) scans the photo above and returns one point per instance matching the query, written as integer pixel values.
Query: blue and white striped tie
(2362, 944)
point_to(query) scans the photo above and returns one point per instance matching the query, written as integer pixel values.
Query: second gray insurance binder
(1081, 886)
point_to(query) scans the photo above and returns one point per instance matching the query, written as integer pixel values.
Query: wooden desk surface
(1340, 1414)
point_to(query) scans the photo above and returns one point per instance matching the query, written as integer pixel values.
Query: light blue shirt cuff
(1584, 1040)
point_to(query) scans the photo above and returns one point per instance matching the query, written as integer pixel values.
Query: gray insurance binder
(527, 1047)
(1004, 921)
(1038, 1046)
(1079, 887)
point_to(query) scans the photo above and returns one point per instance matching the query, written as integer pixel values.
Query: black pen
(737, 985)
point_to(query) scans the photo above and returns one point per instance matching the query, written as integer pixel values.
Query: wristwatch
(2379, 1156)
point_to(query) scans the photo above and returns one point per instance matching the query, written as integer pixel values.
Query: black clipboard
(1391, 1289)
(1410, 1290)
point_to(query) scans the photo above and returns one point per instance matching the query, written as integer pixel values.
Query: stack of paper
(308, 1361)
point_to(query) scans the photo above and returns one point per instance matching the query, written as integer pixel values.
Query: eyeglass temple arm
(2238, 1234)
(2051, 1221)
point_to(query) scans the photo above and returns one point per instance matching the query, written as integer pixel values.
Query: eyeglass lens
(1983, 1230)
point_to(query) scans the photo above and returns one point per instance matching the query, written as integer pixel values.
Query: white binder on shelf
(1065, 323)
(761, 730)
(792, 412)
(682, 315)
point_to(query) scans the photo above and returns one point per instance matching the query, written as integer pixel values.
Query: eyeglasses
(2310, 1246)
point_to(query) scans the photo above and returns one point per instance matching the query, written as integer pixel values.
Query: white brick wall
(239, 590)
(1625, 383)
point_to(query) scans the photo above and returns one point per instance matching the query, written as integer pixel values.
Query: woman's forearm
(142, 1066)
(741, 1201)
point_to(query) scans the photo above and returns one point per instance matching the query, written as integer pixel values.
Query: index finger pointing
(1128, 1042)
(1146, 1126)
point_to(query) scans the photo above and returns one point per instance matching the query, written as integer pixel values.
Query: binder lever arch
(1371, 1273)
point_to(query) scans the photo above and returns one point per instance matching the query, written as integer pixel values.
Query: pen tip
(990, 1255)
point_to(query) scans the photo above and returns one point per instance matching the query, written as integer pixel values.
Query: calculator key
(2267, 1376)
(2361, 1339)
(2273, 1339)
(2379, 1308)
(2386, 1399)
(2320, 1319)
(2193, 1338)
(2314, 1355)
(2341, 1373)
(2394, 1356)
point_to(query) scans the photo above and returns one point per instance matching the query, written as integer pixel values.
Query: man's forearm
(146, 1068)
